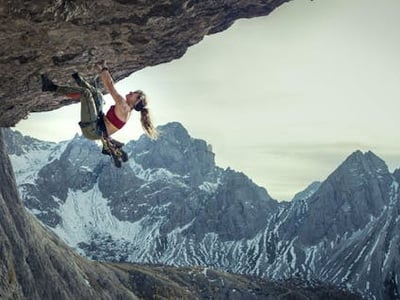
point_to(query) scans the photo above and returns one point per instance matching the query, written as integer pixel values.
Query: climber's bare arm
(109, 85)
(108, 82)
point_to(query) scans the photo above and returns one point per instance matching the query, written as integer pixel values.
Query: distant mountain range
(171, 204)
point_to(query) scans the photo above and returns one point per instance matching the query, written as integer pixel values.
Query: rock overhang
(61, 37)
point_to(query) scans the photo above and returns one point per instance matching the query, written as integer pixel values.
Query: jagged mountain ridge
(77, 169)
(33, 258)
(309, 237)
(351, 221)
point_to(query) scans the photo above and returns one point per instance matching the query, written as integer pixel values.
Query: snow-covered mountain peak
(177, 152)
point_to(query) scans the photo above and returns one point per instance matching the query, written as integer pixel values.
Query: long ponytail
(145, 118)
(147, 124)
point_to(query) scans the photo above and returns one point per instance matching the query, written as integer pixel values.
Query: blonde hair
(145, 118)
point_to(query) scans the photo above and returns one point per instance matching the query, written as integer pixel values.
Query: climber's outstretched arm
(108, 82)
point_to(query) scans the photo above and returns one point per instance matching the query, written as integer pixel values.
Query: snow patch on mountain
(210, 187)
(86, 214)
(27, 165)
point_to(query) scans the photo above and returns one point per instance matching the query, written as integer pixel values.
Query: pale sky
(284, 98)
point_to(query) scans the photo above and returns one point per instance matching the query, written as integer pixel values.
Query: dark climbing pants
(91, 104)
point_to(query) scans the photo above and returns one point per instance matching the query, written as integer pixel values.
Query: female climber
(94, 124)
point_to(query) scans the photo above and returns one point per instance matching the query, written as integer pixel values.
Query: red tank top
(112, 117)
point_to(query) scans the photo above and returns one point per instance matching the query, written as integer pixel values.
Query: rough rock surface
(61, 36)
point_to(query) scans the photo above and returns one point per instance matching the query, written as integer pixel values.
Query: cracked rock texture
(62, 36)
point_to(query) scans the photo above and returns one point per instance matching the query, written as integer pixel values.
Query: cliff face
(59, 37)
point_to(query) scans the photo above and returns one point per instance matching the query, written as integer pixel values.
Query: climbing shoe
(106, 151)
(116, 144)
(113, 148)
(47, 84)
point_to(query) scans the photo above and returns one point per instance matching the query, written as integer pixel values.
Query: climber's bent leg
(89, 113)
